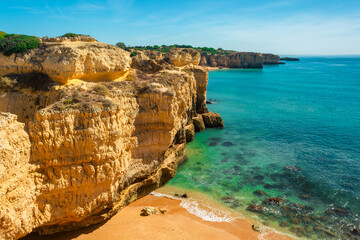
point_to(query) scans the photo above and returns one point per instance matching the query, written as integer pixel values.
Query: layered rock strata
(73, 155)
(271, 59)
(64, 61)
(233, 60)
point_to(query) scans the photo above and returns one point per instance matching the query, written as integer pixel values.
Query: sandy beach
(177, 224)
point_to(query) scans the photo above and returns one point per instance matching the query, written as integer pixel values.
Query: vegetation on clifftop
(15, 43)
(2, 34)
(167, 48)
(72, 35)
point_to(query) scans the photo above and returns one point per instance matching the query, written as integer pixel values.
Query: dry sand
(178, 223)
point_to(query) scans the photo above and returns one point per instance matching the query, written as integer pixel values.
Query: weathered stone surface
(90, 148)
(63, 61)
(146, 211)
(145, 64)
(201, 75)
(212, 120)
(190, 132)
(17, 185)
(271, 58)
(233, 60)
(183, 56)
(163, 211)
(199, 123)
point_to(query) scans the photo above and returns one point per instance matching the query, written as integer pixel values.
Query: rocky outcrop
(212, 120)
(233, 60)
(289, 59)
(80, 152)
(17, 182)
(63, 61)
(271, 59)
(80, 38)
(183, 56)
(199, 124)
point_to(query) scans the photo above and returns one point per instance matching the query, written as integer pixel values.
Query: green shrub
(14, 43)
(101, 90)
(133, 54)
(121, 45)
(71, 35)
(2, 34)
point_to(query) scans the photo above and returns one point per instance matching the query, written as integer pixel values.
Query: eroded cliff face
(80, 152)
(233, 60)
(271, 58)
(66, 60)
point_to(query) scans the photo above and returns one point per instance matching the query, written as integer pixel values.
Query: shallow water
(291, 131)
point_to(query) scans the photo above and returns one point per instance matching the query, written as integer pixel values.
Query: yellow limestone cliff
(74, 154)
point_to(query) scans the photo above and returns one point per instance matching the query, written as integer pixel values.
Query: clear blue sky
(277, 26)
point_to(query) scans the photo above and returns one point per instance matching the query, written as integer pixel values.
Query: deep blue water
(294, 131)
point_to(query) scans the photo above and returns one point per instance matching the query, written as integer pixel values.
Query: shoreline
(177, 224)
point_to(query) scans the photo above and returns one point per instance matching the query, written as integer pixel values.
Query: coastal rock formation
(17, 182)
(233, 60)
(289, 59)
(63, 61)
(212, 120)
(271, 59)
(80, 38)
(183, 56)
(199, 123)
(78, 153)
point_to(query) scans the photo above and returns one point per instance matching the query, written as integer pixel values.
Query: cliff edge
(86, 129)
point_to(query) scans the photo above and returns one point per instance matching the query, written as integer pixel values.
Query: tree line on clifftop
(19, 43)
(167, 48)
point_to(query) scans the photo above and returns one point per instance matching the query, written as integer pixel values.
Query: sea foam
(201, 210)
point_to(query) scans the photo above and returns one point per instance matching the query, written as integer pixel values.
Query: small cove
(291, 131)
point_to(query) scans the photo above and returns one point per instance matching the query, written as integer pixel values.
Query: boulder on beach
(146, 211)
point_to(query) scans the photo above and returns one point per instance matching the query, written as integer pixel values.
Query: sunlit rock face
(63, 61)
(74, 154)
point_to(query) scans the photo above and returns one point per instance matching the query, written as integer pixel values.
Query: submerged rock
(292, 168)
(228, 199)
(274, 201)
(256, 208)
(146, 211)
(227, 144)
(259, 193)
(284, 224)
(212, 144)
(304, 196)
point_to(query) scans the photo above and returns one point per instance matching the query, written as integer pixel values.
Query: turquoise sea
(292, 131)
